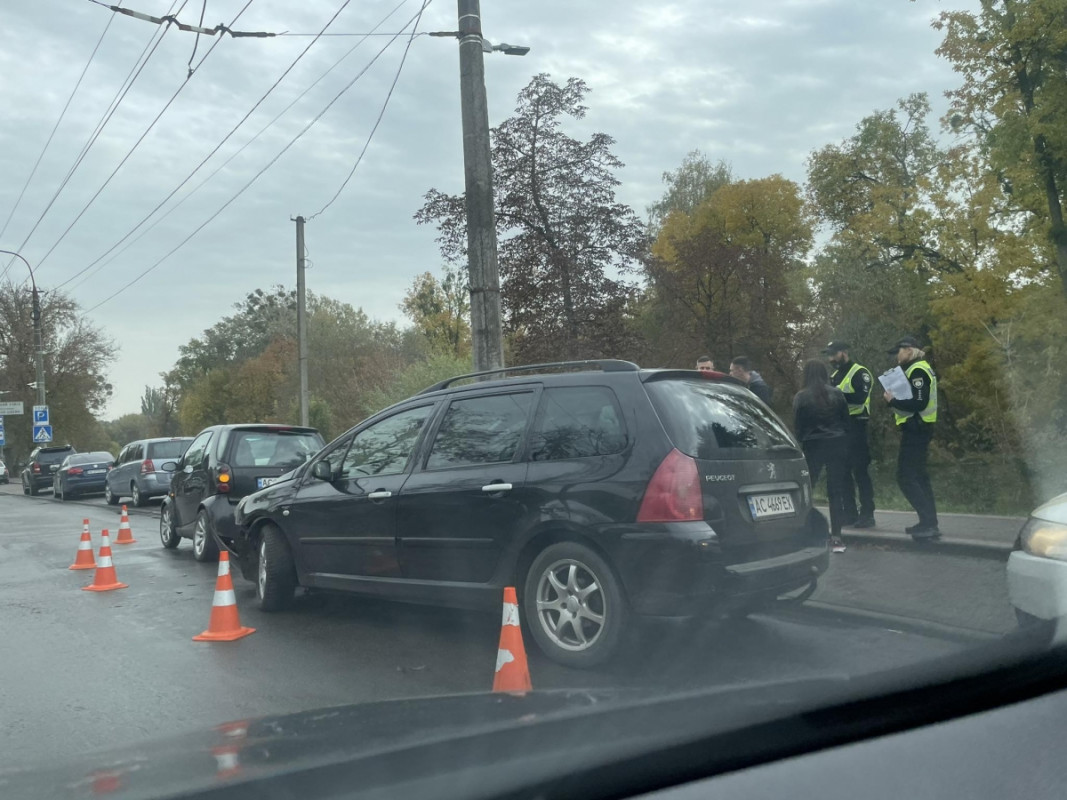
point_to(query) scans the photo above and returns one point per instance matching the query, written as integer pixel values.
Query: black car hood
(457, 745)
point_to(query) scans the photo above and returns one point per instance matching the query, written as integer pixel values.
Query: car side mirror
(322, 470)
(169, 466)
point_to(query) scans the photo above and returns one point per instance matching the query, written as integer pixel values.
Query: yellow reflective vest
(928, 414)
(855, 409)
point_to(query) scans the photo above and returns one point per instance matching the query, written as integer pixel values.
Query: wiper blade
(783, 448)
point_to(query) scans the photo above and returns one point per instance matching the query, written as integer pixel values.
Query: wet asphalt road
(84, 671)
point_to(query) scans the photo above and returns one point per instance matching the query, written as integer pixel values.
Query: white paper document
(896, 383)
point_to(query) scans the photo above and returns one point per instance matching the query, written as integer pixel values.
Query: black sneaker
(913, 528)
(864, 522)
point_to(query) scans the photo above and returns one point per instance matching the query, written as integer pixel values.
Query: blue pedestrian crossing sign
(40, 415)
(42, 434)
(3, 441)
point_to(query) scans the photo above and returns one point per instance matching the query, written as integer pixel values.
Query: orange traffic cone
(224, 625)
(104, 579)
(84, 557)
(512, 671)
(125, 534)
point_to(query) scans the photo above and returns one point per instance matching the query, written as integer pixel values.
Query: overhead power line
(199, 30)
(136, 144)
(55, 127)
(176, 189)
(381, 113)
(120, 95)
(269, 164)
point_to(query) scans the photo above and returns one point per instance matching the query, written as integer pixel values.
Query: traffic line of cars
(602, 491)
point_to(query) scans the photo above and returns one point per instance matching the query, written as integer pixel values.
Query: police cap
(907, 341)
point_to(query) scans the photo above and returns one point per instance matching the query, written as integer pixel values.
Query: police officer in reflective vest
(915, 418)
(855, 381)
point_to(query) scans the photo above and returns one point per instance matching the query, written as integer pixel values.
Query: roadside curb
(145, 511)
(817, 608)
(900, 541)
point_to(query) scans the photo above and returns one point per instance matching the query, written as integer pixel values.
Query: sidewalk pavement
(980, 534)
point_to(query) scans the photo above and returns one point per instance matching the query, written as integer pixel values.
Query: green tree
(728, 278)
(416, 377)
(77, 355)
(563, 234)
(1012, 58)
(440, 311)
(695, 180)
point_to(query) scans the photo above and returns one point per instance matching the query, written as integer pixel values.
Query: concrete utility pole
(301, 322)
(38, 339)
(487, 337)
(38, 346)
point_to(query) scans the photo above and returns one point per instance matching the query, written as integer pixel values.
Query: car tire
(566, 579)
(168, 533)
(32, 491)
(275, 571)
(109, 497)
(138, 499)
(205, 548)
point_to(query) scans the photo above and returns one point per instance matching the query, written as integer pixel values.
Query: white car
(1037, 568)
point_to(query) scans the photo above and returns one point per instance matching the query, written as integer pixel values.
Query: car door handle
(379, 495)
(496, 487)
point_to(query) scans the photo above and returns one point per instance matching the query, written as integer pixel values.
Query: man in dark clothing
(820, 420)
(915, 417)
(855, 381)
(741, 368)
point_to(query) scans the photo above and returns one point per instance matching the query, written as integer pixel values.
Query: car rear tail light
(223, 479)
(74, 471)
(147, 466)
(673, 494)
(36, 469)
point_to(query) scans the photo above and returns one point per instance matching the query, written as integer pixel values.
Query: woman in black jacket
(820, 419)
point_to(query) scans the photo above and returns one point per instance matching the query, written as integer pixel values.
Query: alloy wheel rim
(199, 536)
(571, 606)
(262, 573)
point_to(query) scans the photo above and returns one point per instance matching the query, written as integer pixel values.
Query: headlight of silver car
(1046, 539)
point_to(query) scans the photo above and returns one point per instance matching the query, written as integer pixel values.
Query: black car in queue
(43, 463)
(221, 465)
(602, 492)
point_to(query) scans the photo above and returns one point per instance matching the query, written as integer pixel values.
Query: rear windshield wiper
(783, 448)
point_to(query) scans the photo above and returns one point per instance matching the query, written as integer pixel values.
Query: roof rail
(604, 364)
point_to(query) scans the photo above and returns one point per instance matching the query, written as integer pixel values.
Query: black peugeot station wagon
(602, 492)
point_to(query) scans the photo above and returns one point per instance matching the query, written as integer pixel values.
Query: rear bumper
(154, 484)
(84, 485)
(679, 570)
(1037, 585)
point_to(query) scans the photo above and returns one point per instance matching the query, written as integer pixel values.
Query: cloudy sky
(759, 83)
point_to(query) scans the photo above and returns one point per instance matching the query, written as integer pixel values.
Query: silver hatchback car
(138, 472)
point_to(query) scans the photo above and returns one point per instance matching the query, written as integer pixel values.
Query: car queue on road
(603, 492)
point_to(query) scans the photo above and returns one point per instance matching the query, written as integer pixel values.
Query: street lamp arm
(24, 261)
